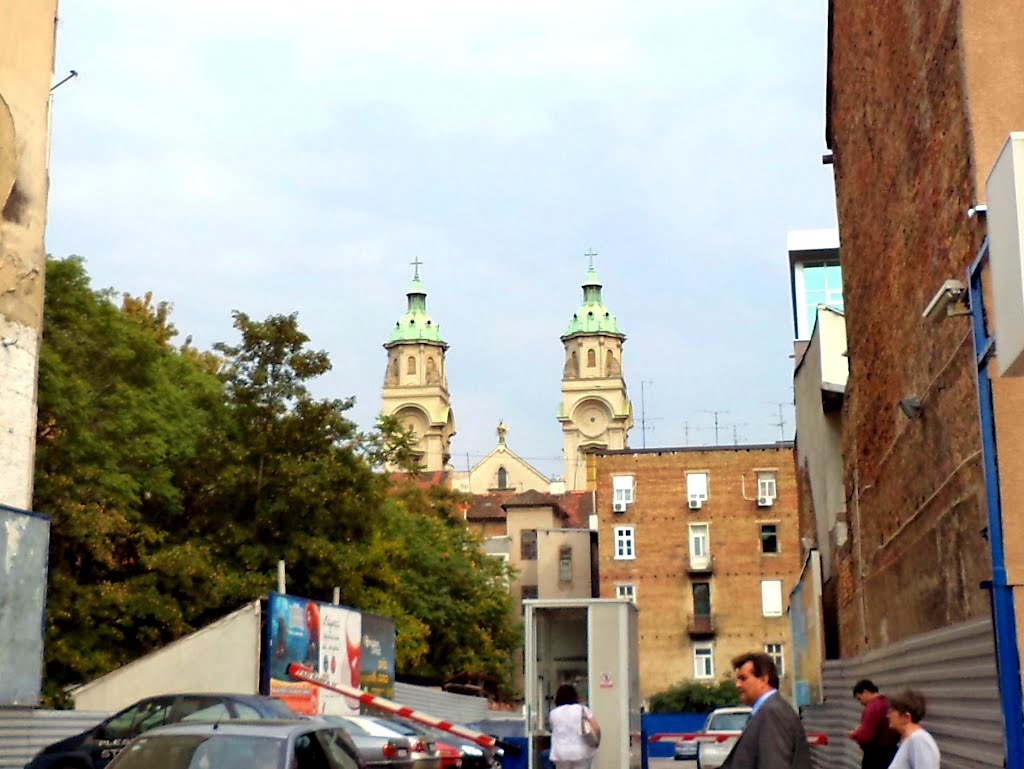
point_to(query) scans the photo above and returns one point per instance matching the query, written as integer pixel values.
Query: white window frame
(771, 597)
(697, 486)
(700, 543)
(625, 543)
(775, 651)
(622, 489)
(703, 662)
(626, 590)
(767, 485)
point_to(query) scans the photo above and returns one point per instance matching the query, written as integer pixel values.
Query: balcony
(700, 564)
(702, 625)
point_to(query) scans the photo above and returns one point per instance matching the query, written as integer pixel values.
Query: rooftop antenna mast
(781, 424)
(644, 383)
(716, 414)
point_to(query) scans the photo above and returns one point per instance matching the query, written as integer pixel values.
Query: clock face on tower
(592, 418)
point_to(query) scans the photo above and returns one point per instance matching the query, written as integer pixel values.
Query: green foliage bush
(695, 697)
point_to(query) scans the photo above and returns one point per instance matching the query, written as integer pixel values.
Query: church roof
(416, 325)
(592, 317)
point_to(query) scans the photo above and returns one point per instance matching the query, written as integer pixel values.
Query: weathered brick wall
(904, 181)
(660, 517)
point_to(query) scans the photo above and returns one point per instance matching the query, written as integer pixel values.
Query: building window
(771, 597)
(775, 652)
(528, 545)
(769, 538)
(502, 478)
(697, 487)
(701, 599)
(624, 549)
(622, 491)
(410, 365)
(766, 488)
(527, 592)
(591, 358)
(627, 591)
(565, 563)
(822, 284)
(699, 549)
(703, 661)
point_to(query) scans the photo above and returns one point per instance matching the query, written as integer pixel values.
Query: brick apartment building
(705, 540)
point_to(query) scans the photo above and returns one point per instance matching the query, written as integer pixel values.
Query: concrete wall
(918, 93)
(27, 40)
(222, 657)
(660, 517)
(549, 545)
(820, 376)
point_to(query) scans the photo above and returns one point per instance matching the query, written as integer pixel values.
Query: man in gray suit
(774, 738)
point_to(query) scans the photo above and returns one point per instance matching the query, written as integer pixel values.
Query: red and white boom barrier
(813, 738)
(303, 673)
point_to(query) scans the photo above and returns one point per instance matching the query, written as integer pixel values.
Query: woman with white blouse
(570, 749)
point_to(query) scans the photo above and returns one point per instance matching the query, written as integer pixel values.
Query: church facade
(594, 412)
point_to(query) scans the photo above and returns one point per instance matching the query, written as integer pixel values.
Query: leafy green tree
(176, 479)
(695, 697)
(120, 416)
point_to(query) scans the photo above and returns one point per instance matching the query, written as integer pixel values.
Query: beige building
(595, 411)
(27, 41)
(416, 381)
(501, 470)
(706, 541)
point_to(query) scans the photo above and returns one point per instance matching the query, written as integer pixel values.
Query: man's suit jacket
(773, 739)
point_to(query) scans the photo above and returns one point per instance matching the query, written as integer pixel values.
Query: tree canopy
(177, 478)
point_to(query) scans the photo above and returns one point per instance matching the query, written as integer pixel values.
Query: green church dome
(416, 325)
(592, 317)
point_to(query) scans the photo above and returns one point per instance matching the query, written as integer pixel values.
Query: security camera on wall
(945, 300)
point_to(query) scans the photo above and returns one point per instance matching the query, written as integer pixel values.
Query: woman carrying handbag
(575, 733)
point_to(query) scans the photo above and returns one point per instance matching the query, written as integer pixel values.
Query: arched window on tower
(502, 478)
(410, 366)
(591, 358)
(611, 365)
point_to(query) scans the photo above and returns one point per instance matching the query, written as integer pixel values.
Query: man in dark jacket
(774, 738)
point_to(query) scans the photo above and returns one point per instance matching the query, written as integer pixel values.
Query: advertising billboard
(377, 656)
(332, 640)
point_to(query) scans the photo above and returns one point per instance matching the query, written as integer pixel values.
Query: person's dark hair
(909, 702)
(864, 685)
(761, 664)
(566, 695)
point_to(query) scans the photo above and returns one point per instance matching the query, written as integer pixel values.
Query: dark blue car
(96, 747)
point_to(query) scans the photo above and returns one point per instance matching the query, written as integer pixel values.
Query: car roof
(264, 728)
(737, 709)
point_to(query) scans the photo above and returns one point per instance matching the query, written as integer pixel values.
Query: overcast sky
(280, 157)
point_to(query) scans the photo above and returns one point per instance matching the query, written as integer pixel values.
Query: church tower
(416, 380)
(595, 411)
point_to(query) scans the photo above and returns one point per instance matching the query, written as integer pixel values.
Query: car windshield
(202, 751)
(728, 722)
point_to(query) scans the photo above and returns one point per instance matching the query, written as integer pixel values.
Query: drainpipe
(1001, 593)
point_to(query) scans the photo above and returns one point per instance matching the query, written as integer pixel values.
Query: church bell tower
(416, 380)
(595, 411)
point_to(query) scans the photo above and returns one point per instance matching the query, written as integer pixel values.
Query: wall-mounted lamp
(948, 300)
(912, 407)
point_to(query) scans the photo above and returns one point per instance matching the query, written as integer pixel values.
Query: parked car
(686, 750)
(96, 747)
(293, 744)
(378, 751)
(721, 731)
(422, 750)
(474, 756)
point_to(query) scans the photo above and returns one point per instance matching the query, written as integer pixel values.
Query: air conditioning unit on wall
(765, 501)
(619, 507)
(695, 503)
